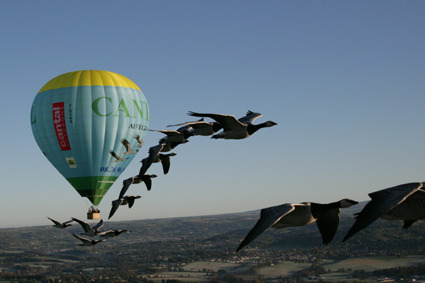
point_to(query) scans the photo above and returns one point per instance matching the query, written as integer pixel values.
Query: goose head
(270, 124)
(344, 203)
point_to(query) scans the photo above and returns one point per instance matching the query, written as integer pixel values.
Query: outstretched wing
(268, 217)
(147, 162)
(250, 117)
(125, 185)
(381, 202)
(83, 224)
(54, 221)
(98, 225)
(82, 238)
(226, 121)
(187, 123)
(328, 224)
(115, 205)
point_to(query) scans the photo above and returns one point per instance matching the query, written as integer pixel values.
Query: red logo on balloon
(60, 126)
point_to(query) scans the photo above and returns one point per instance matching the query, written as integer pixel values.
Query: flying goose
(147, 179)
(112, 233)
(127, 146)
(233, 128)
(126, 200)
(61, 225)
(326, 217)
(403, 202)
(153, 153)
(201, 128)
(88, 242)
(117, 157)
(88, 230)
(164, 158)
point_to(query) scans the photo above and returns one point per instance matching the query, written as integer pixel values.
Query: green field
(197, 271)
(373, 263)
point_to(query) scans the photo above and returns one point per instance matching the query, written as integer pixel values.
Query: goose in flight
(200, 127)
(326, 217)
(147, 179)
(88, 242)
(117, 157)
(127, 146)
(164, 158)
(139, 140)
(112, 233)
(233, 128)
(89, 230)
(60, 225)
(172, 136)
(126, 200)
(153, 153)
(404, 202)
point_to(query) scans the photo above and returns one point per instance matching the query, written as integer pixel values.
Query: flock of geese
(89, 231)
(404, 202)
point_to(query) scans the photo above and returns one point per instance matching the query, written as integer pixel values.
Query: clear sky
(344, 80)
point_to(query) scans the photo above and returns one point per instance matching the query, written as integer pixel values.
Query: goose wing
(98, 225)
(268, 217)
(147, 179)
(187, 123)
(125, 185)
(57, 223)
(131, 200)
(165, 160)
(250, 117)
(226, 121)
(83, 224)
(115, 205)
(82, 238)
(381, 202)
(147, 162)
(328, 224)
(172, 136)
(69, 221)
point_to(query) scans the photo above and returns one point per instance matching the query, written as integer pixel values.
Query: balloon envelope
(82, 119)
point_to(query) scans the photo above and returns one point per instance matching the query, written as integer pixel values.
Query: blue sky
(344, 80)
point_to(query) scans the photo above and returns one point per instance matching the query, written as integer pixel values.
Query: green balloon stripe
(93, 187)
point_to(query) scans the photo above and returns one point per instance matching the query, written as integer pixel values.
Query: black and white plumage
(404, 202)
(61, 225)
(326, 217)
(89, 230)
(234, 128)
(127, 146)
(126, 200)
(88, 242)
(117, 157)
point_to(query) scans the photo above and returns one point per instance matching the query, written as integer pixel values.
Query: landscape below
(203, 249)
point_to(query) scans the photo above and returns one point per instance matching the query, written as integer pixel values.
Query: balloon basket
(93, 215)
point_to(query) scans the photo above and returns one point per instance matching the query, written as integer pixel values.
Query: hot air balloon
(90, 124)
